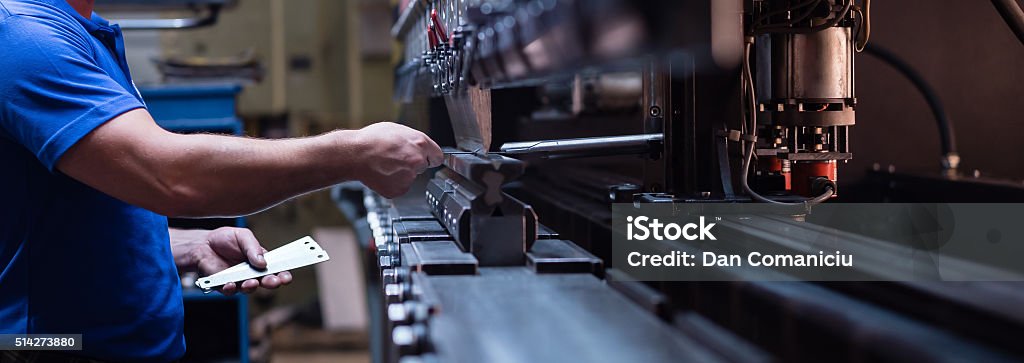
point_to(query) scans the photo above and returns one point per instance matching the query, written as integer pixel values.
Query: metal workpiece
(470, 113)
(586, 147)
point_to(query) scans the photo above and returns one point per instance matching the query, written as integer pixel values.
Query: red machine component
(804, 173)
(776, 165)
(432, 37)
(440, 31)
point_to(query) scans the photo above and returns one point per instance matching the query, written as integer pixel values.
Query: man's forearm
(134, 160)
(228, 176)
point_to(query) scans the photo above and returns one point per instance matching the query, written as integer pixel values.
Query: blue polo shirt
(72, 259)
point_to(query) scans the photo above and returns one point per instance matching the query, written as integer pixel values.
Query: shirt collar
(91, 25)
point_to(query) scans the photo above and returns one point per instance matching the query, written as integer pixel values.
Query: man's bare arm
(133, 159)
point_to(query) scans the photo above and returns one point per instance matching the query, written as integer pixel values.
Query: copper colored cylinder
(805, 171)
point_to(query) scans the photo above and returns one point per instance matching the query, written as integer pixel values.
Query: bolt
(401, 274)
(409, 338)
(398, 314)
(403, 336)
(655, 111)
(393, 293)
(389, 276)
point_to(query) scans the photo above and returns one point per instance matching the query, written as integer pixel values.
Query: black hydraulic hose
(1012, 15)
(947, 137)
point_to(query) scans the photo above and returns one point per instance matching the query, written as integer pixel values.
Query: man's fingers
(228, 289)
(286, 277)
(423, 166)
(434, 154)
(251, 247)
(250, 285)
(270, 282)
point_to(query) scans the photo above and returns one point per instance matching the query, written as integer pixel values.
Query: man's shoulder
(43, 41)
(35, 10)
(37, 22)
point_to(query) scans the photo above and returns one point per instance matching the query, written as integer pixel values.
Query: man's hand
(394, 155)
(209, 252)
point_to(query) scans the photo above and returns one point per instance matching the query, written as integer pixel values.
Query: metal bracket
(300, 253)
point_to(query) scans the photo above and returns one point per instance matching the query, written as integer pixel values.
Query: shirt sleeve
(53, 91)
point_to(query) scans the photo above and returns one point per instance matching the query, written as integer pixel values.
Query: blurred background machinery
(554, 109)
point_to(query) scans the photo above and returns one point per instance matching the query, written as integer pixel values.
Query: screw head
(655, 111)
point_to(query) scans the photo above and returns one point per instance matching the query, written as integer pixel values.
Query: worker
(88, 180)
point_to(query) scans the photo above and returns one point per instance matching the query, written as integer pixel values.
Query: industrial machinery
(557, 108)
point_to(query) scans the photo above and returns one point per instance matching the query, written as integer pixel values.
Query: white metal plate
(300, 253)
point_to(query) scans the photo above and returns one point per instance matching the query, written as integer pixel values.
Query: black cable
(1012, 15)
(947, 137)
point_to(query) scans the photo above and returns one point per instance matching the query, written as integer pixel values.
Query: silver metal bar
(582, 147)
